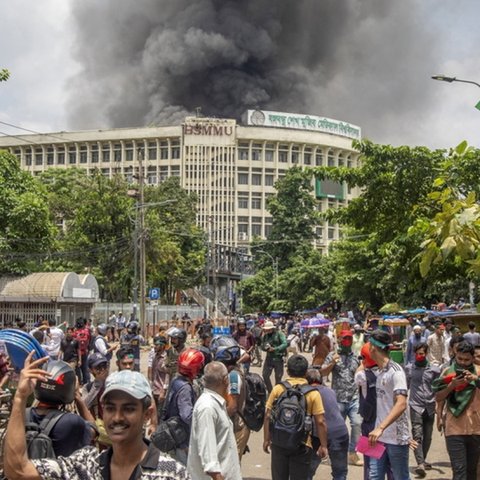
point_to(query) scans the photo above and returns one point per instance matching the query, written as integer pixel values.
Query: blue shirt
(336, 426)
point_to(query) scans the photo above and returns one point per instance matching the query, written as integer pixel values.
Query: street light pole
(444, 78)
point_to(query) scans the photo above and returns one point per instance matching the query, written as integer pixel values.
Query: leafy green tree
(4, 74)
(294, 218)
(175, 245)
(26, 231)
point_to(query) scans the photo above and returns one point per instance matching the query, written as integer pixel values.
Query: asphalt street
(256, 463)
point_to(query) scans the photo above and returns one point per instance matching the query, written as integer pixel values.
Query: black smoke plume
(153, 61)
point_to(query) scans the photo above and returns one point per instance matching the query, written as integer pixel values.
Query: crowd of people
(87, 411)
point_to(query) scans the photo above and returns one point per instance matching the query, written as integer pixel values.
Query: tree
(175, 245)
(4, 74)
(27, 232)
(294, 217)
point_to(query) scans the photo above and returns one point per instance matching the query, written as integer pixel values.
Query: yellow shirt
(313, 398)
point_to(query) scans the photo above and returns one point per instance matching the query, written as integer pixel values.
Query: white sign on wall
(82, 293)
(265, 118)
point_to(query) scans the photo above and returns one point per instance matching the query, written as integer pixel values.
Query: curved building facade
(231, 166)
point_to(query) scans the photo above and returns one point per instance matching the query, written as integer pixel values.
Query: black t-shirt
(69, 349)
(69, 434)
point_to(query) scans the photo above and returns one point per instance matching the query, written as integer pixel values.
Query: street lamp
(444, 78)
(275, 268)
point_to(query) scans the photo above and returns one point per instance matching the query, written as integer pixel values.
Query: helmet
(241, 321)
(132, 327)
(222, 341)
(367, 359)
(179, 333)
(225, 349)
(59, 388)
(102, 329)
(190, 362)
(207, 354)
(228, 355)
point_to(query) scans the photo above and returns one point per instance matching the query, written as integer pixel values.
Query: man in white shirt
(213, 450)
(53, 340)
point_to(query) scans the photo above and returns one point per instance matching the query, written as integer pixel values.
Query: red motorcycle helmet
(190, 362)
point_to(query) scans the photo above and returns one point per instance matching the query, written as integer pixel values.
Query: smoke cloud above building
(150, 62)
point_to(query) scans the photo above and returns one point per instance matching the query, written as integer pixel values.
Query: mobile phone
(461, 375)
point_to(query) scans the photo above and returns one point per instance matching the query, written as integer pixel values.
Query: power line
(33, 131)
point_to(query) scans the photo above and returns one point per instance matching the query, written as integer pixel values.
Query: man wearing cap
(416, 338)
(391, 424)
(92, 391)
(343, 364)
(275, 344)
(436, 346)
(358, 339)
(127, 404)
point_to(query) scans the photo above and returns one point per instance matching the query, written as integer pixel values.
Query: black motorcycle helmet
(179, 333)
(59, 388)
(133, 327)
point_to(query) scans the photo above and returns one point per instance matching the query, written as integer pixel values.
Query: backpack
(255, 400)
(289, 422)
(39, 443)
(83, 337)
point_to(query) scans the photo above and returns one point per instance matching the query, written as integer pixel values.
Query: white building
(232, 167)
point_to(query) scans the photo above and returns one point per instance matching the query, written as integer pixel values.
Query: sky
(118, 63)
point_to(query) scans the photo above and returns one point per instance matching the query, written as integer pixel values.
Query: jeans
(338, 454)
(350, 410)
(290, 465)
(84, 369)
(422, 429)
(395, 456)
(464, 451)
(269, 365)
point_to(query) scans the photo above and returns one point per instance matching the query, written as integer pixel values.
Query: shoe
(428, 466)
(420, 471)
(354, 459)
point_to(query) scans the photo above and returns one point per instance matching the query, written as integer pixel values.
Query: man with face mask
(421, 402)
(416, 338)
(459, 386)
(343, 364)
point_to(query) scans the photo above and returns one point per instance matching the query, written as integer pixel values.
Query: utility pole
(141, 246)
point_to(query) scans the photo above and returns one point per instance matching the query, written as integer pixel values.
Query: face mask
(420, 360)
(346, 342)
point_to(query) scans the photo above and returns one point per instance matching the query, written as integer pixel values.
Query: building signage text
(302, 122)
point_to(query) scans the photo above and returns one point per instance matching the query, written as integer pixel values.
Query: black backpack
(255, 399)
(39, 443)
(290, 423)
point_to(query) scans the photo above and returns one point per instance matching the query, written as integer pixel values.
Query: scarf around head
(459, 399)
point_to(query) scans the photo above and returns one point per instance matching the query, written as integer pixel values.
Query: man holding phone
(458, 386)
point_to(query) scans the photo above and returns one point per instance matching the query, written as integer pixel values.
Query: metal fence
(154, 314)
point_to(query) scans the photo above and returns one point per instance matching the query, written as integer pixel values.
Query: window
(256, 151)
(243, 178)
(83, 154)
(269, 180)
(28, 158)
(268, 230)
(72, 155)
(175, 171)
(307, 156)
(242, 202)
(331, 159)
(256, 230)
(295, 154)
(175, 152)
(256, 179)
(269, 154)
(106, 172)
(164, 150)
(243, 228)
(163, 173)
(152, 150)
(283, 154)
(38, 156)
(256, 203)
(106, 152)
(331, 233)
(129, 151)
(94, 153)
(117, 152)
(341, 160)
(61, 156)
(50, 156)
(319, 159)
(243, 151)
